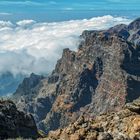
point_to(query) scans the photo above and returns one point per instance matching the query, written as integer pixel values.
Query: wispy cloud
(115, 1)
(122, 1)
(5, 14)
(21, 3)
(53, 2)
(68, 9)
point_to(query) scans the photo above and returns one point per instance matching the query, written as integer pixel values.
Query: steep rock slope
(101, 76)
(14, 123)
(122, 125)
(28, 99)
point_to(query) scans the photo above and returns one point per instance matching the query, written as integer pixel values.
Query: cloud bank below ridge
(28, 46)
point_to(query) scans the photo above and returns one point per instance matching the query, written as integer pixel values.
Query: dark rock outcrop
(29, 86)
(101, 76)
(14, 123)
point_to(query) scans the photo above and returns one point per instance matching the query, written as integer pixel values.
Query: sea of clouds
(28, 46)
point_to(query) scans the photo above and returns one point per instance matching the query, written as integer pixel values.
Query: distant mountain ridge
(9, 83)
(102, 76)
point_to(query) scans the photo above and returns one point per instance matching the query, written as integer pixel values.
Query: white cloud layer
(27, 46)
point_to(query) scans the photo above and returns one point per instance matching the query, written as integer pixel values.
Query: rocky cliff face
(122, 125)
(101, 76)
(14, 123)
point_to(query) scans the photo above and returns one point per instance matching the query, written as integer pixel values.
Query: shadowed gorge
(133, 89)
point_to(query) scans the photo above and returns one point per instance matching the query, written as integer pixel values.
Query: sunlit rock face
(101, 76)
(120, 125)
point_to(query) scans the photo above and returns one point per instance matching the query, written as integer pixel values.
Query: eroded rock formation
(101, 76)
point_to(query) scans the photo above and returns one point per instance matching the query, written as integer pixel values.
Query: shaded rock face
(101, 76)
(28, 98)
(122, 125)
(14, 124)
(29, 86)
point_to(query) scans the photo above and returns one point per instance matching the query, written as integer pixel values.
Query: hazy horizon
(62, 10)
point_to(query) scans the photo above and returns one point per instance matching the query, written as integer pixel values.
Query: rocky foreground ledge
(15, 124)
(122, 125)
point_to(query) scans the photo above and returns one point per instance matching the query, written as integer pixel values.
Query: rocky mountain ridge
(101, 76)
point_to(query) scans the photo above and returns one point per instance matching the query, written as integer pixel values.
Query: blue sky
(52, 10)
